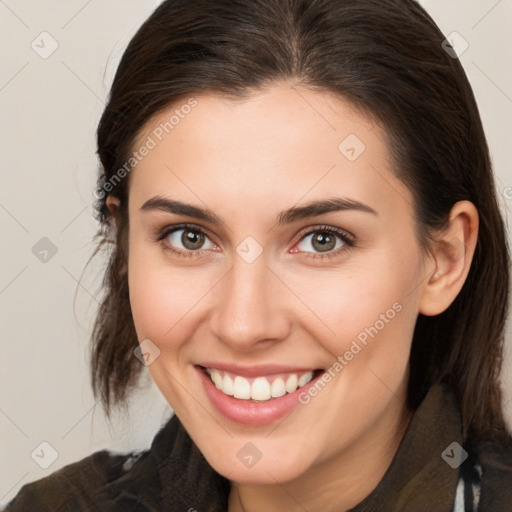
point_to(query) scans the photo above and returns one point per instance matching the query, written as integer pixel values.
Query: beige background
(50, 108)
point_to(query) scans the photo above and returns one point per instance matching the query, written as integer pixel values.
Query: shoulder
(494, 455)
(171, 475)
(80, 486)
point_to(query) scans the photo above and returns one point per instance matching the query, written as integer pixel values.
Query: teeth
(291, 383)
(241, 388)
(217, 379)
(304, 379)
(278, 388)
(227, 385)
(260, 389)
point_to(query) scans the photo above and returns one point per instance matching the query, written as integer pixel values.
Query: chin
(266, 470)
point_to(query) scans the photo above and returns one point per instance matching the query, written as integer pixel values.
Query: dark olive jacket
(173, 475)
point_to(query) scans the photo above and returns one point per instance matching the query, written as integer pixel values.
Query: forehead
(281, 145)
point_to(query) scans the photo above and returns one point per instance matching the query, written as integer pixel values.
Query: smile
(261, 388)
(256, 395)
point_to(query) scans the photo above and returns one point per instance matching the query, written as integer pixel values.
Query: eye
(190, 241)
(186, 240)
(324, 242)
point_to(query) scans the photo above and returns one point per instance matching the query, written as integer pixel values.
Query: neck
(335, 484)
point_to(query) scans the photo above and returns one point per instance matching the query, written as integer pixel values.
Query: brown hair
(386, 57)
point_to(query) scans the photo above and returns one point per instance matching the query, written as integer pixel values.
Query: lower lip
(252, 413)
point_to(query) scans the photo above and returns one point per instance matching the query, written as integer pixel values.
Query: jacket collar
(418, 477)
(174, 475)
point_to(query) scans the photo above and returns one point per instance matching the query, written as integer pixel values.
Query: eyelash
(347, 240)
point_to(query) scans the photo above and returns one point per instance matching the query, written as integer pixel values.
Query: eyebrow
(312, 209)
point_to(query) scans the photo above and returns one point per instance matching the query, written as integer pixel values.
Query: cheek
(366, 310)
(163, 298)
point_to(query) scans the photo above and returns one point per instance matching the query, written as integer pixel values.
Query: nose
(250, 310)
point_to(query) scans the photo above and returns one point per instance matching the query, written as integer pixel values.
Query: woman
(308, 257)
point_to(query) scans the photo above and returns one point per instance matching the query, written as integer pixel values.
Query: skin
(246, 161)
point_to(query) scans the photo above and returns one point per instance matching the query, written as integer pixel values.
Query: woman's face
(299, 254)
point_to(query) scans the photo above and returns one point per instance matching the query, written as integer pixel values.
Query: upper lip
(256, 371)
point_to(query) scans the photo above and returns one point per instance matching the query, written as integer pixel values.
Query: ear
(451, 256)
(113, 204)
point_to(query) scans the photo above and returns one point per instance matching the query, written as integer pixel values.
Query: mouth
(259, 388)
(257, 395)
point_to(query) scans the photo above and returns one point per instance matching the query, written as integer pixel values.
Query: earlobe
(113, 204)
(452, 254)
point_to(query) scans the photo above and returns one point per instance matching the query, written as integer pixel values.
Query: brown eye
(324, 240)
(188, 239)
(192, 240)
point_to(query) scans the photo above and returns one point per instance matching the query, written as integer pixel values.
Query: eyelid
(342, 233)
(167, 230)
(162, 234)
(347, 238)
